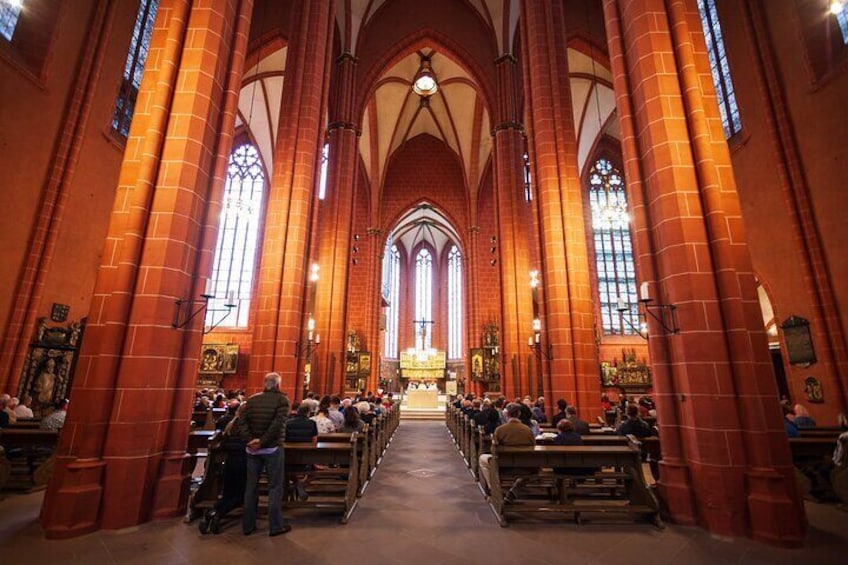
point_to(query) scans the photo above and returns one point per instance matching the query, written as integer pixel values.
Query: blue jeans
(274, 464)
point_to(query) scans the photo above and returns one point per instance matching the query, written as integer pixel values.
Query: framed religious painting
(211, 359)
(231, 354)
(364, 362)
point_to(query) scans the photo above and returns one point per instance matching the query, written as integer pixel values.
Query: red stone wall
(63, 204)
(810, 111)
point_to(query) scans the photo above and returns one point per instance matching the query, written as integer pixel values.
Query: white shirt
(325, 425)
(54, 421)
(22, 411)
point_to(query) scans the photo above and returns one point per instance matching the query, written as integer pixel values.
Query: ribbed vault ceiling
(500, 16)
(456, 115)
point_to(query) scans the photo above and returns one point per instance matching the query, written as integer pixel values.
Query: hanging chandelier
(424, 84)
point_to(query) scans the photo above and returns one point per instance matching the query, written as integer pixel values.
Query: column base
(774, 508)
(72, 503)
(677, 499)
(173, 485)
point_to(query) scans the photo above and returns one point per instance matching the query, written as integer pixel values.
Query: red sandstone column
(674, 484)
(730, 425)
(118, 462)
(335, 227)
(283, 267)
(516, 303)
(567, 321)
(472, 318)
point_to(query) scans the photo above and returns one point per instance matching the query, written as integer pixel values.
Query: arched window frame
(455, 302)
(425, 262)
(134, 68)
(9, 15)
(731, 120)
(325, 165)
(391, 278)
(234, 272)
(621, 281)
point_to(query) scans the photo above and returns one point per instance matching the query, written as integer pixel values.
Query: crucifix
(423, 330)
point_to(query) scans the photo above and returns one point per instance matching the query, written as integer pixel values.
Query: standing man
(264, 427)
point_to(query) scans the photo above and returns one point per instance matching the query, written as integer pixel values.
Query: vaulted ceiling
(456, 115)
(500, 16)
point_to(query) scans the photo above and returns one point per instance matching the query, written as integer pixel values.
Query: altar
(422, 399)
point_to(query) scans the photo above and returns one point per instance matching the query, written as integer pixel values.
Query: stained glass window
(325, 160)
(423, 295)
(134, 67)
(391, 282)
(842, 20)
(613, 249)
(454, 303)
(720, 69)
(528, 179)
(234, 264)
(10, 11)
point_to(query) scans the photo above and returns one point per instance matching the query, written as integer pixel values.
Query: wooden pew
(28, 424)
(619, 474)
(361, 454)
(333, 488)
(29, 455)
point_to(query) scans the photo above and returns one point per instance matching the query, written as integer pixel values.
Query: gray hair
(272, 381)
(513, 410)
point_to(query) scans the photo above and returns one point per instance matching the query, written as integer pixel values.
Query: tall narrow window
(842, 20)
(235, 253)
(613, 248)
(720, 69)
(391, 282)
(325, 160)
(134, 67)
(423, 296)
(528, 179)
(10, 11)
(454, 303)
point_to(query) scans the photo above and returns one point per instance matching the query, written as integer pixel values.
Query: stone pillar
(375, 249)
(121, 459)
(723, 391)
(280, 323)
(516, 297)
(334, 247)
(675, 485)
(567, 317)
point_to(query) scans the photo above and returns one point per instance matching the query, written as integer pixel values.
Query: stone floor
(422, 507)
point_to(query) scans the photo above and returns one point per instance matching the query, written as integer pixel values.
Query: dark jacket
(301, 429)
(636, 427)
(580, 426)
(265, 417)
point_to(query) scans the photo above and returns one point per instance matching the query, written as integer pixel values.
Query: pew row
(346, 462)
(571, 479)
(27, 459)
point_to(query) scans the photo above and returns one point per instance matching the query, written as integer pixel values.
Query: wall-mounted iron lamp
(534, 342)
(313, 340)
(185, 311)
(665, 314)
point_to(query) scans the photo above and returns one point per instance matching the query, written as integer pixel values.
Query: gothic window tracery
(454, 303)
(134, 68)
(613, 248)
(720, 69)
(234, 263)
(423, 294)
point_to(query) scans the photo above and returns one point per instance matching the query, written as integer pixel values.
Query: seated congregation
(526, 465)
(268, 454)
